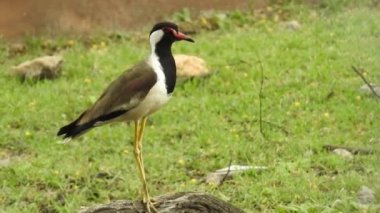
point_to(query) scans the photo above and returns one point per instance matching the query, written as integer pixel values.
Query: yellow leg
(140, 139)
(139, 131)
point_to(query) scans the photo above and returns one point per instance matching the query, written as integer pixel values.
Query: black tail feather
(73, 129)
(64, 130)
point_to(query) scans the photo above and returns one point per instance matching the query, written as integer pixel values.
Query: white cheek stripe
(154, 38)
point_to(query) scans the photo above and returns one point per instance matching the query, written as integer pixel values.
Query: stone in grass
(291, 25)
(46, 67)
(366, 90)
(343, 153)
(365, 195)
(7, 158)
(17, 49)
(190, 66)
(5, 162)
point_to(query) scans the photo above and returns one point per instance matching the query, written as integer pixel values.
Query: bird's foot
(149, 204)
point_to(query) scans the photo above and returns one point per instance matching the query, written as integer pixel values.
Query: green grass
(208, 122)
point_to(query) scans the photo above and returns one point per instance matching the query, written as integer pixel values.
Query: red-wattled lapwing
(136, 94)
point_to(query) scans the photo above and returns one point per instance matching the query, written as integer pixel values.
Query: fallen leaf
(217, 177)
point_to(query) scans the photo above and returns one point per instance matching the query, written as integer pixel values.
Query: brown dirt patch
(54, 17)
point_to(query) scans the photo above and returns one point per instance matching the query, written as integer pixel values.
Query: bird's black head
(167, 31)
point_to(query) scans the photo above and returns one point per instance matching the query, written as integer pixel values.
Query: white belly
(155, 99)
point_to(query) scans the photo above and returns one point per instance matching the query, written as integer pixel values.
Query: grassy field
(309, 89)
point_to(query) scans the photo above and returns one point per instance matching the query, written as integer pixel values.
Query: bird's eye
(167, 30)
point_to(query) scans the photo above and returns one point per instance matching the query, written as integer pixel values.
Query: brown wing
(123, 93)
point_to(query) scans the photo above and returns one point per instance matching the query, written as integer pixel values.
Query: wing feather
(124, 93)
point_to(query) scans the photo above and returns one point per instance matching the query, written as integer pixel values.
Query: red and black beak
(180, 36)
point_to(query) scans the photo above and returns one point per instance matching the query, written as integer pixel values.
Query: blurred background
(36, 17)
(22, 17)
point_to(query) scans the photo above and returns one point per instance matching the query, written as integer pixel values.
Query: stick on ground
(260, 99)
(365, 81)
(353, 150)
(225, 176)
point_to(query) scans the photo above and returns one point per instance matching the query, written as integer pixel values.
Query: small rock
(190, 66)
(216, 178)
(366, 90)
(343, 153)
(365, 195)
(17, 49)
(46, 67)
(4, 162)
(292, 25)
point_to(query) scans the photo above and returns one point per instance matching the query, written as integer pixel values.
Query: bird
(135, 95)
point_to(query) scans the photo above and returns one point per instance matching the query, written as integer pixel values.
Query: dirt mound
(36, 17)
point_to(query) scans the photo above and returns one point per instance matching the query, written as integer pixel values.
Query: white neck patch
(154, 38)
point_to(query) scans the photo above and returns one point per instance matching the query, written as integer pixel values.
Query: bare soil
(54, 17)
